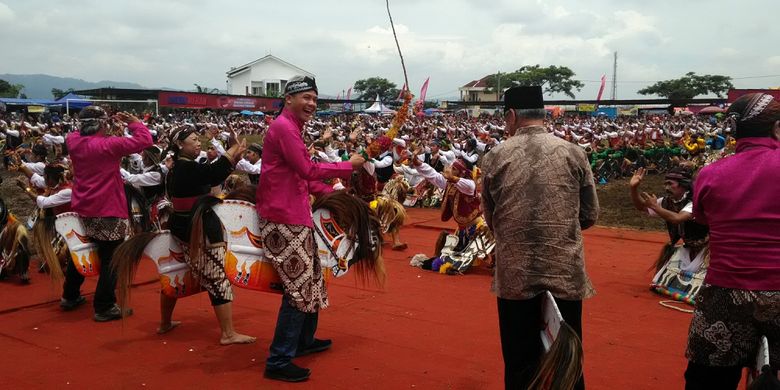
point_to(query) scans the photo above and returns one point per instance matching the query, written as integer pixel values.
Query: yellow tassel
(444, 267)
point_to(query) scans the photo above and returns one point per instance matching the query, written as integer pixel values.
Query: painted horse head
(351, 231)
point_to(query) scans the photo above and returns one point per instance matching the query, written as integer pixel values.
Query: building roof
(241, 69)
(481, 83)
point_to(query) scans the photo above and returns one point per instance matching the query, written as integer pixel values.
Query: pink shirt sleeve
(123, 146)
(318, 188)
(298, 159)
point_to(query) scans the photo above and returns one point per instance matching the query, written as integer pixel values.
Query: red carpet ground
(424, 331)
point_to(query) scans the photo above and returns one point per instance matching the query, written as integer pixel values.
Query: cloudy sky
(175, 43)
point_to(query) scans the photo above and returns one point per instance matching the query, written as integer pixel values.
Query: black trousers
(105, 296)
(701, 377)
(520, 322)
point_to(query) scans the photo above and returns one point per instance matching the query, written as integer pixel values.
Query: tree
(8, 90)
(690, 86)
(200, 89)
(58, 93)
(553, 79)
(368, 88)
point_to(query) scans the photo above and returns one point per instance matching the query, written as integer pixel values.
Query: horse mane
(397, 188)
(391, 213)
(359, 221)
(245, 192)
(133, 194)
(561, 367)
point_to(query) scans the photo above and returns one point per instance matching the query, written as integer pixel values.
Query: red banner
(736, 93)
(217, 102)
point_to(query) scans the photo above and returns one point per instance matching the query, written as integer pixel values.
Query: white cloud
(6, 14)
(178, 43)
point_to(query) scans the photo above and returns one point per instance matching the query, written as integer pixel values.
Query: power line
(655, 81)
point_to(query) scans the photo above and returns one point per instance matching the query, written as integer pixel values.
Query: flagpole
(392, 25)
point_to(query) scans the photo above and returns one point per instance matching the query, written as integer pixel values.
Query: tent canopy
(378, 108)
(73, 101)
(26, 102)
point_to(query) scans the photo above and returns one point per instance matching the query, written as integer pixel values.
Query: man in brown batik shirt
(538, 196)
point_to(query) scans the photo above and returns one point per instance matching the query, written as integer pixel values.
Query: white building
(266, 76)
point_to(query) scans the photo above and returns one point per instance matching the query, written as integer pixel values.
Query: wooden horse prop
(762, 376)
(681, 278)
(346, 231)
(561, 365)
(83, 252)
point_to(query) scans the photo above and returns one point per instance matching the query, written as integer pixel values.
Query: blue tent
(247, 112)
(73, 101)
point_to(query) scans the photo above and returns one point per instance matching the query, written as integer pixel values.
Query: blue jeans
(294, 331)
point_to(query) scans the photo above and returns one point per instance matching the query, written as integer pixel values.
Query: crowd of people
(520, 185)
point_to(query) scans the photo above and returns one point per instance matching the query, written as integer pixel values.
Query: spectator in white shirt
(251, 163)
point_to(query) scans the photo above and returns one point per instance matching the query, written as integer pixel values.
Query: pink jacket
(737, 197)
(288, 175)
(98, 190)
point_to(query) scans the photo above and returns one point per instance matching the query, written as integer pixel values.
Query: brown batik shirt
(538, 195)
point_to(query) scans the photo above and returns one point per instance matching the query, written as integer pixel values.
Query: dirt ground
(17, 202)
(616, 207)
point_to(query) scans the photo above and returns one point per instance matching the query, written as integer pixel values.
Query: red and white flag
(424, 89)
(601, 89)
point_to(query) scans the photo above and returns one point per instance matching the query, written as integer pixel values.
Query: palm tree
(200, 89)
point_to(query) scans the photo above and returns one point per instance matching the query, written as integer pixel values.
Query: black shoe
(288, 373)
(112, 314)
(317, 346)
(68, 305)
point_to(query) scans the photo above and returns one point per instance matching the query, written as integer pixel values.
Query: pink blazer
(98, 190)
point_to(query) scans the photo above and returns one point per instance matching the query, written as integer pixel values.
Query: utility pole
(498, 87)
(614, 78)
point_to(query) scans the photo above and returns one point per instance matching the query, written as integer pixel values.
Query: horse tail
(361, 222)
(561, 367)
(197, 232)
(42, 239)
(666, 253)
(125, 262)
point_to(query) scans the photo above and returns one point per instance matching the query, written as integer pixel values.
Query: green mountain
(39, 86)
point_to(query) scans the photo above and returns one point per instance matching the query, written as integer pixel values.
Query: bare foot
(237, 338)
(163, 329)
